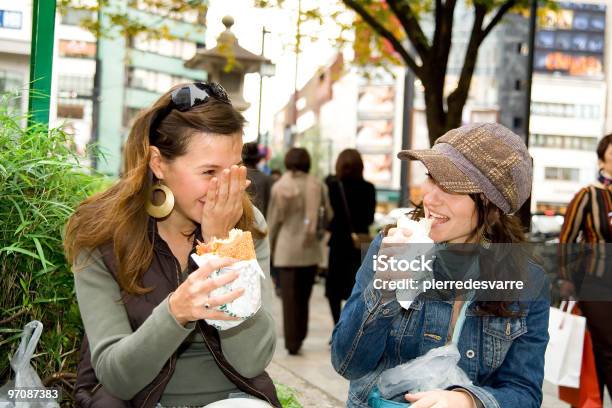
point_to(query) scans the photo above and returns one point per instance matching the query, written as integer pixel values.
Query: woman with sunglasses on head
(479, 175)
(142, 298)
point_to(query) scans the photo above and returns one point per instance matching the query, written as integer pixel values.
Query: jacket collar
(160, 246)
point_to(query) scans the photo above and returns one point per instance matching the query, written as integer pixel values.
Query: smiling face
(454, 215)
(189, 175)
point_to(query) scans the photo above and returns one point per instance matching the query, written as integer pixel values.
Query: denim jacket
(503, 357)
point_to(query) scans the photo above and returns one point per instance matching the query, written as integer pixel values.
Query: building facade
(134, 72)
(15, 35)
(568, 102)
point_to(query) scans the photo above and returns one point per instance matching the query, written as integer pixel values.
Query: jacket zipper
(170, 370)
(172, 361)
(229, 372)
(173, 358)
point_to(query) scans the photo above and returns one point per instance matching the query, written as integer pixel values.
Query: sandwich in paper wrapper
(239, 245)
(398, 245)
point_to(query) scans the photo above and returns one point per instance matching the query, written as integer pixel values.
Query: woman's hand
(223, 207)
(188, 303)
(440, 399)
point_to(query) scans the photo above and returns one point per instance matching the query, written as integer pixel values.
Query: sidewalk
(311, 372)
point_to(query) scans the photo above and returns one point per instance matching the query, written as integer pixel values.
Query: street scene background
(309, 74)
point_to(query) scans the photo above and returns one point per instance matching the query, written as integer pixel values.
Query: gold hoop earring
(165, 208)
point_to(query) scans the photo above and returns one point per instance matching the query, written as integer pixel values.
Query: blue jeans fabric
(503, 356)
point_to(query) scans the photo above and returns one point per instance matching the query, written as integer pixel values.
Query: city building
(74, 68)
(568, 102)
(15, 34)
(132, 72)
(135, 71)
(366, 111)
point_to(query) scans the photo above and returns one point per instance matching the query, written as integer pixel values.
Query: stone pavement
(311, 372)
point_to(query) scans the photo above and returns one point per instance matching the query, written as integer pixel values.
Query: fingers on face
(224, 181)
(244, 182)
(236, 182)
(211, 194)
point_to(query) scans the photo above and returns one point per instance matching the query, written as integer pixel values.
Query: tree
(129, 24)
(392, 31)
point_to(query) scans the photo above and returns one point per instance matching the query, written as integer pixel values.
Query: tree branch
(411, 26)
(438, 23)
(503, 9)
(446, 33)
(444, 14)
(383, 32)
(456, 100)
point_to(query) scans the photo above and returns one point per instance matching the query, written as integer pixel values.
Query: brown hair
(118, 214)
(602, 146)
(349, 165)
(297, 159)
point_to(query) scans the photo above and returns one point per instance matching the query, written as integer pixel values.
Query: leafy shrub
(41, 182)
(286, 396)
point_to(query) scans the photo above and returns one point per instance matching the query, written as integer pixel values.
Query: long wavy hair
(118, 216)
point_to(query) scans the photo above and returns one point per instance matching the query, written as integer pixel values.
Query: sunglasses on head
(188, 97)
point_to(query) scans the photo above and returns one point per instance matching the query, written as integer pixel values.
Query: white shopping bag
(25, 375)
(563, 358)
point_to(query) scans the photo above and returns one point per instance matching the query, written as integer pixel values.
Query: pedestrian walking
(292, 221)
(588, 219)
(261, 183)
(143, 300)
(479, 175)
(353, 201)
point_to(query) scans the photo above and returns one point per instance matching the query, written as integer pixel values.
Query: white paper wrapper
(394, 246)
(246, 305)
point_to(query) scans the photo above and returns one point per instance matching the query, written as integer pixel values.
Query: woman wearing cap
(142, 299)
(479, 175)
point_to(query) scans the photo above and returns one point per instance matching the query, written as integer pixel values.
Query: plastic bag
(437, 369)
(25, 375)
(246, 305)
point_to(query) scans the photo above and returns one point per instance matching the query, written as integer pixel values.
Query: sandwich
(238, 245)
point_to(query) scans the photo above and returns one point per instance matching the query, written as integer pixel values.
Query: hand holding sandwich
(223, 207)
(191, 301)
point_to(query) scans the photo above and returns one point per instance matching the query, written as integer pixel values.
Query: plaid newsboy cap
(483, 158)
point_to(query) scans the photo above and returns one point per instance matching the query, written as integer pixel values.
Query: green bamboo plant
(42, 180)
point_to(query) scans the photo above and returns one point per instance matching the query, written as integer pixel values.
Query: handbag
(563, 358)
(360, 239)
(587, 395)
(322, 217)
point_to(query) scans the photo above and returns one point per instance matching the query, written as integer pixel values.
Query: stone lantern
(227, 64)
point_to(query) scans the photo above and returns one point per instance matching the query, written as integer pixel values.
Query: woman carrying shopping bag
(587, 393)
(479, 176)
(588, 220)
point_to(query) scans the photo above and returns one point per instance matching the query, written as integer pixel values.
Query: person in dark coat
(261, 183)
(344, 258)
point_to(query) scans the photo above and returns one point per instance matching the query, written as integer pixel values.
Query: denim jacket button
(470, 354)
(385, 312)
